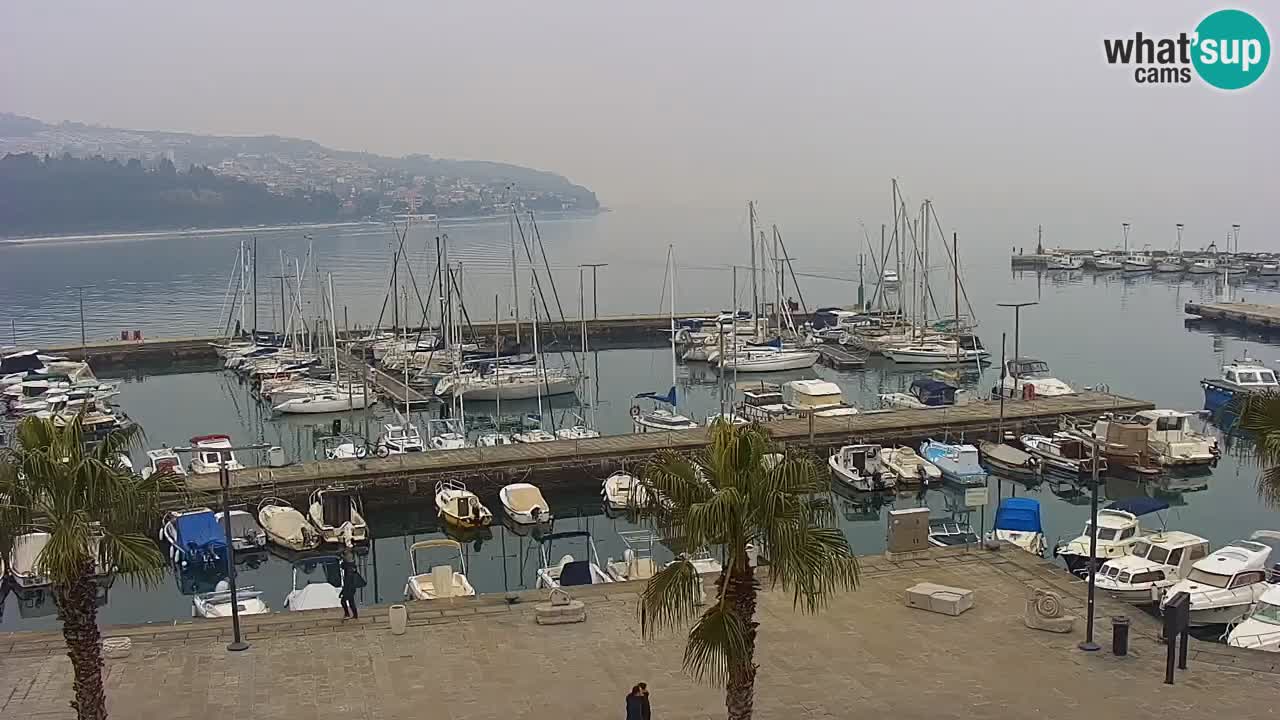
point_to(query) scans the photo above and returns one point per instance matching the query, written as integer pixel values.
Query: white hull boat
(314, 585)
(441, 581)
(569, 571)
(337, 513)
(1260, 629)
(661, 420)
(933, 354)
(524, 504)
(907, 466)
(285, 526)
(858, 467)
(1223, 586)
(622, 491)
(508, 385)
(772, 361)
(217, 604)
(327, 403)
(460, 507)
(211, 452)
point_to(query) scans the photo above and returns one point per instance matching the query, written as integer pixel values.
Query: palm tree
(50, 481)
(1260, 420)
(741, 496)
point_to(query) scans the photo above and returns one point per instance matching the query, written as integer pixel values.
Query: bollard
(398, 619)
(1119, 635)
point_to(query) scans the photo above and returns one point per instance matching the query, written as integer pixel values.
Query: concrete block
(560, 609)
(939, 598)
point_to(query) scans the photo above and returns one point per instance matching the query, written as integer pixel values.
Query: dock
(1266, 317)
(580, 464)
(385, 384)
(837, 357)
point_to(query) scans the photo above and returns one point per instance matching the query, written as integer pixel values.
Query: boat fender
(1028, 392)
(635, 411)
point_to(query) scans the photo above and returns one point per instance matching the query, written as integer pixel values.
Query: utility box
(275, 457)
(908, 530)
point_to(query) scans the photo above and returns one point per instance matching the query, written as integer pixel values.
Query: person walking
(644, 701)
(635, 704)
(352, 581)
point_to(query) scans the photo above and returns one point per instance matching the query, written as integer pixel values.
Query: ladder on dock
(837, 357)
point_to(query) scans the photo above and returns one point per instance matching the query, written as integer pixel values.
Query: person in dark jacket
(635, 704)
(644, 701)
(351, 582)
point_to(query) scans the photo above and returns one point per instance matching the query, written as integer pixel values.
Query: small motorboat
(246, 536)
(958, 462)
(1243, 377)
(442, 581)
(317, 583)
(568, 571)
(1018, 522)
(400, 439)
(637, 561)
(524, 504)
(906, 466)
(23, 561)
(1008, 459)
(1260, 628)
(1021, 373)
(460, 507)
(163, 459)
(195, 538)
(948, 532)
(1063, 452)
(338, 513)
(1152, 565)
(1118, 530)
(1224, 585)
(211, 452)
(858, 467)
(622, 491)
(446, 434)
(535, 435)
(493, 439)
(577, 432)
(286, 526)
(217, 604)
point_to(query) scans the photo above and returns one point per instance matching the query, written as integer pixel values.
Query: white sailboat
(660, 418)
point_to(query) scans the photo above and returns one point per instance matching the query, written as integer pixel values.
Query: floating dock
(580, 464)
(837, 357)
(1247, 314)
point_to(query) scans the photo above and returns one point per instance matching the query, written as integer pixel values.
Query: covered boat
(317, 582)
(195, 538)
(1018, 522)
(286, 526)
(570, 571)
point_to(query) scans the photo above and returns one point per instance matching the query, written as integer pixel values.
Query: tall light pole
(1092, 439)
(595, 299)
(81, 288)
(1017, 332)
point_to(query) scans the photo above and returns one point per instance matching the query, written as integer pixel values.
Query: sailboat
(1173, 262)
(660, 418)
(328, 398)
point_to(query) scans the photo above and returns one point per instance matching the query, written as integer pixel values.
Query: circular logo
(1232, 49)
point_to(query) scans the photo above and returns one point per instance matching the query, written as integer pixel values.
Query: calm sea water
(1127, 333)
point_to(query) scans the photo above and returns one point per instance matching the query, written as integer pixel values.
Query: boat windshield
(1267, 613)
(1103, 533)
(1267, 377)
(1205, 577)
(1172, 422)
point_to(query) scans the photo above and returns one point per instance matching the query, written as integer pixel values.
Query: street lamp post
(81, 289)
(595, 299)
(1092, 438)
(1017, 333)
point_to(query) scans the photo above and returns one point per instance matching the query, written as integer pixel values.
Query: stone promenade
(867, 656)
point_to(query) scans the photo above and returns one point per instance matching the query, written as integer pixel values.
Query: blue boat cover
(934, 392)
(1139, 505)
(200, 530)
(669, 398)
(1019, 514)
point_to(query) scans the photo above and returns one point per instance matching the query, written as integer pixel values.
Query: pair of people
(638, 703)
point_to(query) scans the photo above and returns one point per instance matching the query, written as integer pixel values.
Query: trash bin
(1119, 635)
(398, 618)
(275, 457)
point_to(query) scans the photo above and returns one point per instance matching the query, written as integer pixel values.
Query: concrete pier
(1253, 315)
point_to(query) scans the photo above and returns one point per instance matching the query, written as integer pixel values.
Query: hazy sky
(991, 108)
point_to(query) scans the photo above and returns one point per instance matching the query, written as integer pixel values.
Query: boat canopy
(669, 398)
(199, 529)
(18, 362)
(1139, 506)
(933, 392)
(1019, 514)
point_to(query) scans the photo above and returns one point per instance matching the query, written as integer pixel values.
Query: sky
(993, 109)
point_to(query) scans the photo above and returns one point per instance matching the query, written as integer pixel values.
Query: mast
(539, 366)
(515, 277)
(497, 377)
(755, 297)
(255, 288)
(671, 265)
(955, 265)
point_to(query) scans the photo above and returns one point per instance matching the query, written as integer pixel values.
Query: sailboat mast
(515, 277)
(497, 377)
(539, 367)
(955, 266)
(755, 297)
(671, 266)
(255, 287)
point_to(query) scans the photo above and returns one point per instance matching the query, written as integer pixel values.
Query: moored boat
(1118, 529)
(459, 506)
(441, 581)
(525, 504)
(958, 462)
(569, 571)
(1151, 566)
(858, 467)
(1224, 585)
(1018, 522)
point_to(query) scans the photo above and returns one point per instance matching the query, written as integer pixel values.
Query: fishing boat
(399, 439)
(1063, 261)
(858, 467)
(524, 504)
(441, 581)
(1118, 530)
(338, 513)
(1151, 566)
(1169, 438)
(1063, 452)
(906, 466)
(1023, 373)
(459, 506)
(286, 526)
(1224, 585)
(1260, 628)
(195, 539)
(622, 491)
(317, 583)
(246, 536)
(569, 571)
(958, 462)
(1138, 264)
(163, 460)
(211, 452)
(1239, 379)
(217, 604)
(1018, 522)
(1107, 263)
(947, 532)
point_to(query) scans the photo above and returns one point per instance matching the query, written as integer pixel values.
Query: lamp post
(1017, 333)
(595, 299)
(81, 289)
(1092, 438)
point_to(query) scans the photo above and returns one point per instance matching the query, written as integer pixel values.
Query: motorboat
(1118, 530)
(906, 466)
(524, 504)
(163, 459)
(533, 435)
(858, 467)
(569, 571)
(217, 604)
(577, 432)
(623, 491)
(246, 536)
(660, 419)
(947, 532)
(1063, 261)
(329, 402)
(958, 462)
(1007, 458)
(286, 526)
(637, 561)
(1239, 379)
(735, 419)
(400, 439)
(1018, 522)
(1107, 263)
(925, 393)
(23, 564)
(441, 581)
(338, 513)
(195, 538)
(493, 439)
(1152, 565)
(459, 506)
(317, 583)
(1224, 585)
(1028, 372)
(1170, 440)
(1260, 628)
(446, 434)
(209, 453)
(820, 397)
(1138, 264)
(1063, 452)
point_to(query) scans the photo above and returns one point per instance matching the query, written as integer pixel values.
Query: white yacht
(338, 513)
(934, 353)
(1260, 628)
(286, 526)
(763, 359)
(858, 467)
(400, 439)
(460, 507)
(217, 604)
(569, 571)
(1170, 439)
(209, 452)
(524, 504)
(1022, 373)
(326, 402)
(1118, 530)
(441, 581)
(163, 459)
(906, 466)
(1152, 565)
(521, 383)
(1225, 584)
(316, 584)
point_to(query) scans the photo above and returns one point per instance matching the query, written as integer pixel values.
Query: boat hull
(1221, 615)
(933, 358)
(521, 391)
(789, 361)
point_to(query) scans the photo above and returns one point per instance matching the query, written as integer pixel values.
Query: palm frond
(670, 598)
(717, 642)
(1260, 418)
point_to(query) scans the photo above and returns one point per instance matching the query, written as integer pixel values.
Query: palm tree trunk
(78, 607)
(739, 692)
